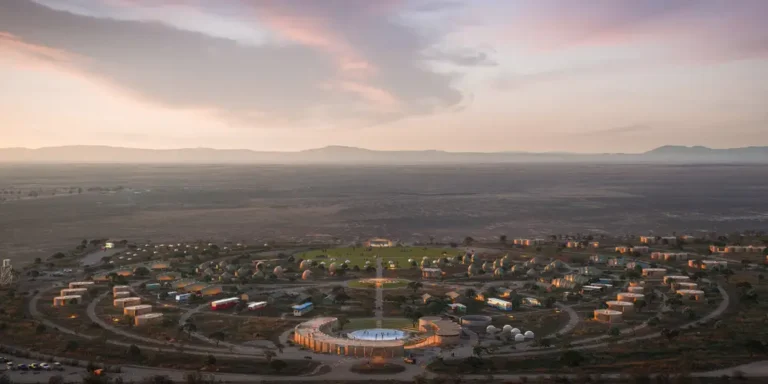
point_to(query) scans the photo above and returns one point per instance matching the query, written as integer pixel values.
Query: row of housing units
(568, 244)
(738, 249)
(78, 291)
(625, 301)
(620, 262)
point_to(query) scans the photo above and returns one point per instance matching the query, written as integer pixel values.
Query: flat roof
(631, 294)
(149, 315)
(608, 312)
(619, 303)
(128, 299)
(690, 292)
(68, 297)
(301, 306)
(140, 306)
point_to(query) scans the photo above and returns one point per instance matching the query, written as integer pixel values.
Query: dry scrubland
(253, 203)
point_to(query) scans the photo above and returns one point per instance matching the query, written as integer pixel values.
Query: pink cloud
(38, 53)
(373, 94)
(693, 29)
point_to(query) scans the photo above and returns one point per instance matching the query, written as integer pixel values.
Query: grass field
(365, 284)
(358, 256)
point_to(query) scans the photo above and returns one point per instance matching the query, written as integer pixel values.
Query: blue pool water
(377, 334)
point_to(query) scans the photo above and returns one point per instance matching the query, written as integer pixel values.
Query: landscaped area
(399, 255)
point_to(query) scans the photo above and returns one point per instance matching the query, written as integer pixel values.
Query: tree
(278, 365)
(134, 351)
(572, 358)
(141, 272)
(38, 260)
(754, 347)
(470, 293)
(40, 329)
(71, 345)
(479, 350)
(614, 332)
(415, 316)
(640, 304)
(760, 278)
(468, 240)
(415, 285)
(210, 360)
(58, 255)
(503, 239)
(437, 307)
(670, 334)
(218, 336)
(343, 320)
(269, 355)
(342, 297)
(550, 302)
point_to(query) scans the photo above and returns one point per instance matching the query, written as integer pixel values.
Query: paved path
(379, 311)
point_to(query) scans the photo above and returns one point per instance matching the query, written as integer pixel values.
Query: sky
(579, 76)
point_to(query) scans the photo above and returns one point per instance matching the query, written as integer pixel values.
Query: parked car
(45, 366)
(57, 366)
(409, 360)
(34, 367)
(9, 366)
(23, 367)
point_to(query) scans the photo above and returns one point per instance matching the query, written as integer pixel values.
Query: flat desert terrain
(45, 208)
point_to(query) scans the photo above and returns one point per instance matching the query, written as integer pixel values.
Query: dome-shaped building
(259, 275)
(491, 329)
(231, 268)
(506, 261)
(278, 271)
(498, 272)
(425, 264)
(531, 273)
(515, 331)
(473, 270)
(528, 334)
(306, 275)
(506, 328)
(519, 338)
(260, 265)
(488, 267)
(332, 268)
(305, 265)
(243, 271)
(208, 272)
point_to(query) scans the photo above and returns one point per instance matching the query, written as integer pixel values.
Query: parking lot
(33, 376)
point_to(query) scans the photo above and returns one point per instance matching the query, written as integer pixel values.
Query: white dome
(410, 260)
(333, 259)
(424, 258)
(515, 331)
(519, 337)
(528, 334)
(322, 263)
(367, 263)
(507, 328)
(490, 329)
(347, 262)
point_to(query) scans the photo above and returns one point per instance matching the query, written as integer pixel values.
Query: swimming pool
(375, 334)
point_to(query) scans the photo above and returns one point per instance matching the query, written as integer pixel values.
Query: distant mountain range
(352, 155)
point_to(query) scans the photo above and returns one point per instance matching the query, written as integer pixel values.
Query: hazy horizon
(593, 76)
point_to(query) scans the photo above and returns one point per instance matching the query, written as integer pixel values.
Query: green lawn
(398, 283)
(358, 256)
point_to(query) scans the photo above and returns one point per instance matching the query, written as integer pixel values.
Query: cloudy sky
(479, 75)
